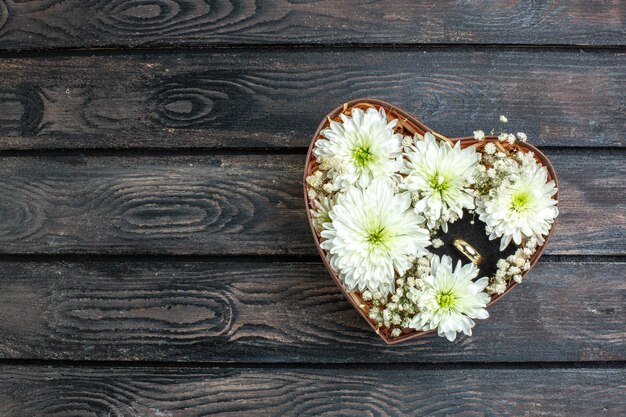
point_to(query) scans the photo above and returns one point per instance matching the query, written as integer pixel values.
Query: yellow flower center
(362, 155)
(519, 201)
(445, 300)
(375, 237)
(438, 183)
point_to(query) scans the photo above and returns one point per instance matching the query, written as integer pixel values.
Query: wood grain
(276, 98)
(176, 205)
(171, 23)
(190, 310)
(56, 391)
(86, 236)
(237, 204)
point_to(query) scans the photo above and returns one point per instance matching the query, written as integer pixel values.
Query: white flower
(423, 270)
(503, 119)
(315, 180)
(490, 148)
(502, 264)
(522, 136)
(364, 146)
(479, 135)
(437, 243)
(373, 232)
(387, 315)
(330, 164)
(523, 209)
(510, 138)
(526, 159)
(321, 210)
(497, 287)
(450, 299)
(439, 174)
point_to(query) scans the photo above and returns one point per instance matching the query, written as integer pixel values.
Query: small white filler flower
(479, 135)
(439, 174)
(524, 209)
(319, 213)
(373, 232)
(364, 146)
(449, 299)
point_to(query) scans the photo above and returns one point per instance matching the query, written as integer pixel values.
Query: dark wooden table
(155, 257)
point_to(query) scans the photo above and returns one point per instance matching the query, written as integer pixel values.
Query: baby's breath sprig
(512, 267)
(396, 311)
(321, 193)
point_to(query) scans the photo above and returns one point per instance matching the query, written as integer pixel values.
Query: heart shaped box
(407, 125)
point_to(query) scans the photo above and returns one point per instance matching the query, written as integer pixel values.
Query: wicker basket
(407, 125)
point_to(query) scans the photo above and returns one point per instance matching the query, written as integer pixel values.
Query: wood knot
(4, 13)
(140, 17)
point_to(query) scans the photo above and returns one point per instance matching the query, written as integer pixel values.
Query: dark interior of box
(475, 235)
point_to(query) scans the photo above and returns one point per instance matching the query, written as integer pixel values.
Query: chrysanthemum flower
(363, 147)
(449, 299)
(521, 209)
(373, 232)
(438, 174)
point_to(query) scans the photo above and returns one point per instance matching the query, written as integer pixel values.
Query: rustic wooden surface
(217, 98)
(238, 204)
(164, 23)
(388, 391)
(248, 311)
(154, 255)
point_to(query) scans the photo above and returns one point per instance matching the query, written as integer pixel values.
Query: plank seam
(105, 257)
(226, 151)
(124, 50)
(315, 366)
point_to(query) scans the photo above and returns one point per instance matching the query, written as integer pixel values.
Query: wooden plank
(191, 310)
(172, 23)
(276, 98)
(33, 391)
(237, 204)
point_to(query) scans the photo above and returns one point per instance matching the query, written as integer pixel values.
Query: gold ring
(467, 250)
